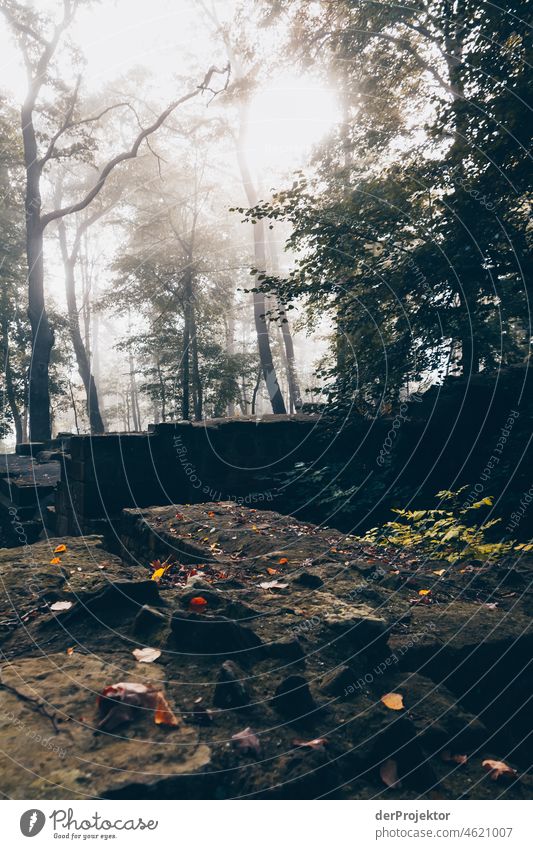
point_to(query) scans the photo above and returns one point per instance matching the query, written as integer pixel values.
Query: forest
(174, 247)
(266, 396)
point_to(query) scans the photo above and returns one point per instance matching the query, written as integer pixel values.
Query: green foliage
(444, 534)
(414, 237)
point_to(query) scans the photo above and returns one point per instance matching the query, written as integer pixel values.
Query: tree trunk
(163, 393)
(197, 383)
(186, 356)
(288, 344)
(256, 390)
(75, 409)
(230, 348)
(82, 359)
(259, 301)
(133, 393)
(41, 331)
(10, 392)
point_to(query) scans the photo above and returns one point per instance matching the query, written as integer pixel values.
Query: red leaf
(198, 603)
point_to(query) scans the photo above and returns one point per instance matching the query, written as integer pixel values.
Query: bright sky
(171, 38)
(288, 116)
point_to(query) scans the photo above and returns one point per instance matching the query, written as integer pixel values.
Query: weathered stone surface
(230, 691)
(336, 682)
(47, 731)
(194, 633)
(293, 699)
(285, 648)
(150, 621)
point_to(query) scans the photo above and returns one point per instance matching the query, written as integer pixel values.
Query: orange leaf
(272, 571)
(59, 549)
(210, 513)
(283, 561)
(394, 701)
(70, 650)
(447, 756)
(55, 560)
(198, 603)
(424, 592)
(163, 714)
(496, 769)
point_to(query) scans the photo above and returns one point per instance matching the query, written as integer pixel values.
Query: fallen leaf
(272, 571)
(55, 561)
(198, 603)
(70, 650)
(146, 655)
(283, 561)
(121, 703)
(493, 605)
(163, 714)
(424, 592)
(394, 701)
(388, 772)
(317, 743)
(439, 572)
(273, 585)
(59, 549)
(247, 741)
(61, 605)
(447, 757)
(211, 513)
(496, 769)
(160, 569)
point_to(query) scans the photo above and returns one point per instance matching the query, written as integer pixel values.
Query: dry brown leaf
(61, 605)
(129, 700)
(497, 769)
(273, 585)
(247, 741)
(388, 772)
(394, 701)
(447, 757)
(317, 743)
(146, 655)
(439, 572)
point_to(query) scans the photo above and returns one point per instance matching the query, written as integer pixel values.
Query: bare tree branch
(133, 151)
(66, 123)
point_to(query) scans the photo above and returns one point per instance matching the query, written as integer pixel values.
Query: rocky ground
(295, 664)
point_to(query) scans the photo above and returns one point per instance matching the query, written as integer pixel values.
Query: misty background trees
(162, 222)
